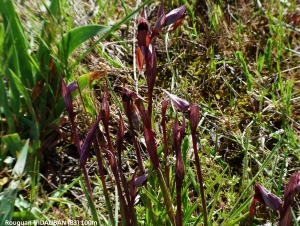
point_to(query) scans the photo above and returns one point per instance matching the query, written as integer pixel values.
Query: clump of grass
(31, 100)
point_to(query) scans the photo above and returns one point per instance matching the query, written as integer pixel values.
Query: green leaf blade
(20, 165)
(79, 35)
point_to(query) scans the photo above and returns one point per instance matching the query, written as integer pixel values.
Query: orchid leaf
(79, 35)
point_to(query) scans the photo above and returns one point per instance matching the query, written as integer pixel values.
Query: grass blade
(91, 204)
(5, 109)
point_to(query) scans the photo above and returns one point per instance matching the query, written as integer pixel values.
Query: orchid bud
(175, 17)
(181, 104)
